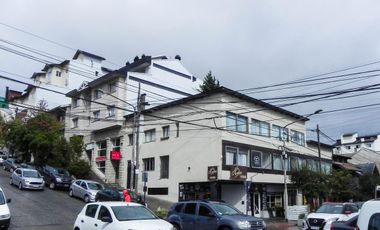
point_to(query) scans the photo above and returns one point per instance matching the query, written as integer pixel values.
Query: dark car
(116, 194)
(11, 164)
(345, 225)
(56, 177)
(210, 215)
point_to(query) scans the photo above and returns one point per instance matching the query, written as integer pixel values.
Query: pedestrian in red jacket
(127, 197)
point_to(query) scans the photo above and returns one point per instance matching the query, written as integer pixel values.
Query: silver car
(27, 178)
(85, 189)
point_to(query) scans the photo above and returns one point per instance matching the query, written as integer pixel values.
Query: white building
(98, 108)
(210, 145)
(59, 79)
(352, 143)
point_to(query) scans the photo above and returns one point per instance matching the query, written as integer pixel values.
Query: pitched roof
(48, 66)
(87, 54)
(226, 91)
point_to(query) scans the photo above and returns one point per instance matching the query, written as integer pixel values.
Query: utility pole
(319, 151)
(137, 164)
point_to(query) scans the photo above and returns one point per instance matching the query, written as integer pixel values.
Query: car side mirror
(9, 200)
(106, 219)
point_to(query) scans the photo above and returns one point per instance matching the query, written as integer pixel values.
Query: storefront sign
(115, 155)
(238, 172)
(212, 173)
(100, 158)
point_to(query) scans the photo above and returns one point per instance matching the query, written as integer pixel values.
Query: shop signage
(238, 172)
(100, 158)
(115, 155)
(212, 173)
(256, 159)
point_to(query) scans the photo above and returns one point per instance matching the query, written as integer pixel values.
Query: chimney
(178, 57)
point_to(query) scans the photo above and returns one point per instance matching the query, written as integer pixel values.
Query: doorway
(256, 204)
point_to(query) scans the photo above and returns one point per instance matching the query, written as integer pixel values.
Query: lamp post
(284, 160)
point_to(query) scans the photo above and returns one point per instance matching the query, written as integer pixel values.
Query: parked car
(11, 164)
(27, 178)
(328, 213)
(118, 216)
(369, 216)
(85, 189)
(349, 224)
(56, 177)
(5, 215)
(116, 194)
(190, 215)
(28, 166)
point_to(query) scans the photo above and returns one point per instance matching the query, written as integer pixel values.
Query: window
(101, 165)
(112, 87)
(91, 210)
(179, 207)
(294, 163)
(256, 161)
(277, 162)
(75, 123)
(325, 167)
(150, 135)
(57, 73)
(237, 123)
(190, 208)
(165, 132)
(236, 156)
(130, 139)
(115, 144)
(98, 94)
(260, 128)
(368, 145)
(164, 167)
(297, 137)
(102, 148)
(312, 165)
(103, 212)
(280, 133)
(374, 222)
(266, 161)
(111, 111)
(148, 164)
(75, 102)
(274, 200)
(96, 115)
(204, 211)
(348, 147)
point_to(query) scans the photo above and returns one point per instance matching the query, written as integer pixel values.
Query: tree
(341, 185)
(367, 184)
(209, 83)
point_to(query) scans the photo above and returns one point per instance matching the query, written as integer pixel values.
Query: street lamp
(284, 157)
(134, 135)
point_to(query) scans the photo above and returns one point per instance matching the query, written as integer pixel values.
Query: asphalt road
(32, 210)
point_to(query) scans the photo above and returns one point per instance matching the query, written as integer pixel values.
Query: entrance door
(256, 204)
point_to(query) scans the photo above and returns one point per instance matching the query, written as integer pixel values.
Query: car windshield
(32, 174)
(331, 208)
(2, 198)
(61, 172)
(224, 209)
(125, 213)
(95, 186)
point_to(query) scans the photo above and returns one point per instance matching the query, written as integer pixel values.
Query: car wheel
(86, 199)
(52, 185)
(71, 193)
(176, 226)
(20, 186)
(11, 181)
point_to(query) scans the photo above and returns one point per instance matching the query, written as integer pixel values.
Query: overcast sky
(245, 43)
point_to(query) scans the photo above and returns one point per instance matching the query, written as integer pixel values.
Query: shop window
(237, 123)
(115, 144)
(150, 135)
(164, 172)
(277, 162)
(236, 156)
(274, 200)
(148, 164)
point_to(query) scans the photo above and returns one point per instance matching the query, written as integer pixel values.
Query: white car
(119, 216)
(328, 213)
(369, 217)
(5, 215)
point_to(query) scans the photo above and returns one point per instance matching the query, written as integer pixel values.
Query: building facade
(217, 145)
(352, 143)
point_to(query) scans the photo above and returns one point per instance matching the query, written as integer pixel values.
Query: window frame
(164, 162)
(235, 119)
(152, 135)
(260, 125)
(149, 164)
(165, 132)
(111, 111)
(112, 87)
(96, 210)
(75, 122)
(96, 115)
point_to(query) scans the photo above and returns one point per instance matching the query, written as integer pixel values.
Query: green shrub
(161, 212)
(79, 168)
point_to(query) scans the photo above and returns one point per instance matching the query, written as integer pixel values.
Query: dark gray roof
(367, 168)
(47, 66)
(313, 142)
(87, 54)
(228, 92)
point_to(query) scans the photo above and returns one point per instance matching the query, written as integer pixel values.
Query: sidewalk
(275, 224)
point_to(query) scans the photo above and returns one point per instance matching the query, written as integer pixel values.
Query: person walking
(127, 197)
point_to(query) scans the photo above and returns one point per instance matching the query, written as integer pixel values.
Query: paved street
(32, 210)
